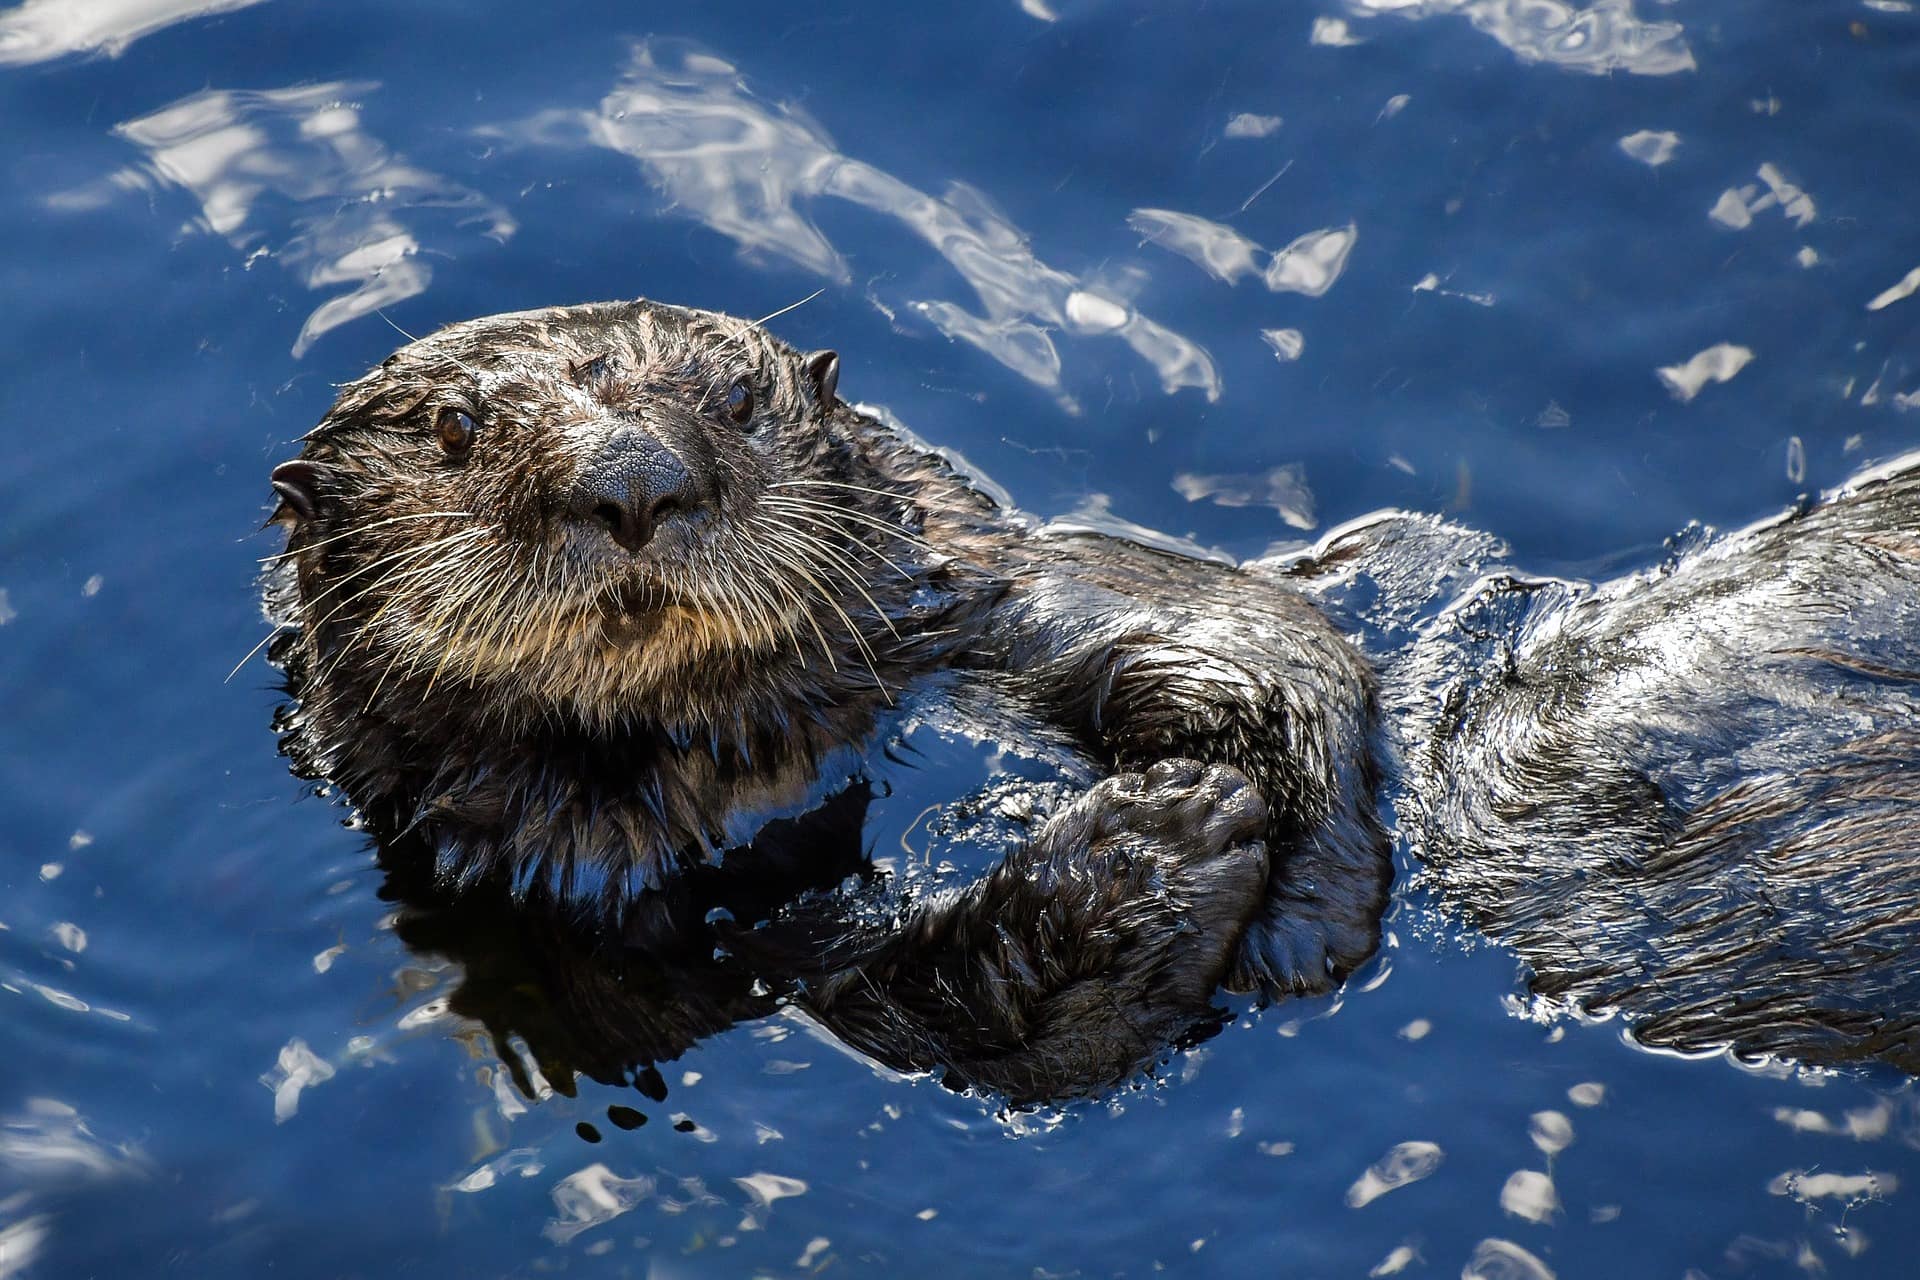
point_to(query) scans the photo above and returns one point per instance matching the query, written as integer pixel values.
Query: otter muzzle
(630, 484)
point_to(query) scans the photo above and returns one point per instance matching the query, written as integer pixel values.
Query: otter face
(577, 507)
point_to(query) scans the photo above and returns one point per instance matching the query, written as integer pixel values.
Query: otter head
(583, 512)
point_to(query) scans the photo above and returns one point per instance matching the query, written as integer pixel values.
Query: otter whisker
(741, 601)
(290, 552)
(448, 570)
(851, 513)
(382, 580)
(447, 573)
(789, 502)
(548, 644)
(408, 553)
(744, 585)
(833, 555)
(849, 571)
(503, 613)
(776, 620)
(435, 349)
(853, 631)
(733, 604)
(804, 483)
(791, 306)
(820, 516)
(369, 629)
(504, 609)
(826, 650)
(737, 601)
(835, 503)
(741, 334)
(837, 560)
(278, 627)
(447, 649)
(360, 573)
(797, 603)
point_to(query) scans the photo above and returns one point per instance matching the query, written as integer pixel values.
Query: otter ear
(298, 484)
(823, 369)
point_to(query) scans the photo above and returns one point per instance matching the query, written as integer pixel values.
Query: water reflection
(724, 945)
(42, 30)
(1718, 363)
(1309, 265)
(360, 215)
(1216, 249)
(1283, 488)
(1399, 1259)
(298, 1068)
(745, 167)
(48, 1142)
(1807, 1186)
(763, 1189)
(21, 1241)
(1503, 1260)
(1737, 205)
(1333, 33)
(1431, 283)
(1249, 125)
(1287, 344)
(1529, 1194)
(1651, 147)
(590, 1197)
(1863, 1124)
(1550, 1131)
(1604, 37)
(1903, 288)
(1404, 1164)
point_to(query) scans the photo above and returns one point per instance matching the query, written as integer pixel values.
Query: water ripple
(360, 211)
(1604, 37)
(42, 30)
(747, 168)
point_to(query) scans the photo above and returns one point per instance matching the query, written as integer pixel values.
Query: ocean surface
(1238, 272)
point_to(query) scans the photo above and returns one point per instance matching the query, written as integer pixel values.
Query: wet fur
(582, 728)
(1693, 796)
(1687, 796)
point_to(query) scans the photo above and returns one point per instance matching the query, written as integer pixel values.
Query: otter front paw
(1082, 956)
(1181, 831)
(1144, 884)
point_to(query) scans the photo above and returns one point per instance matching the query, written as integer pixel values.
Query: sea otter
(580, 600)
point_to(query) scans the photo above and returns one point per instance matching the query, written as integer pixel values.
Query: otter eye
(456, 429)
(740, 400)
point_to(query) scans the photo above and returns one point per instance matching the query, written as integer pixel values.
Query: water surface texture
(1233, 271)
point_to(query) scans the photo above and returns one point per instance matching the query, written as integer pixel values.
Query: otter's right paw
(1082, 956)
(1153, 876)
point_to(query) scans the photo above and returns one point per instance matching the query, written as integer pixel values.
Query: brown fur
(482, 667)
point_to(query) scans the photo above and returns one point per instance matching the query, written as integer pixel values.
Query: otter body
(581, 599)
(1693, 796)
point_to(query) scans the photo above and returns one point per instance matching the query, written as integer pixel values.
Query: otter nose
(629, 486)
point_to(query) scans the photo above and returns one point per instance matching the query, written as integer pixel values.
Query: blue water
(1043, 234)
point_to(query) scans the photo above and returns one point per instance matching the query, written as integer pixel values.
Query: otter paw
(1164, 867)
(1089, 950)
(1198, 809)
